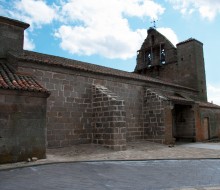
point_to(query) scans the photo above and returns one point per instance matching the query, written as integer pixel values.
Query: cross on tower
(154, 23)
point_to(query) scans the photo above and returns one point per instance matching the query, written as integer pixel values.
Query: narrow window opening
(148, 58)
(162, 55)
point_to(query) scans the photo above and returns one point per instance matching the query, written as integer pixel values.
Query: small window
(148, 58)
(162, 56)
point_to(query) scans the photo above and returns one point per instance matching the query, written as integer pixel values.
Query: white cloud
(169, 34)
(34, 12)
(89, 27)
(213, 92)
(142, 8)
(208, 9)
(111, 44)
(101, 27)
(28, 43)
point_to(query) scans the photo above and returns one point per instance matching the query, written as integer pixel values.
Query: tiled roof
(15, 81)
(208, 105)
(74, 64)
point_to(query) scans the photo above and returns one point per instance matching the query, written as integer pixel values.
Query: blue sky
(109, 32)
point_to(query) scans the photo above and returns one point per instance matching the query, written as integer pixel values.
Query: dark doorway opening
(183, 123)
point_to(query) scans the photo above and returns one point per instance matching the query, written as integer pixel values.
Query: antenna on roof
(153, 22)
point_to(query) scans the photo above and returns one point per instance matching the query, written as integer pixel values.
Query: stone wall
(132, 94)
(155, 124)
(22, 125)
(69, 108)
(11, 35)
(212, 129)
(109, 126)
(191, 67)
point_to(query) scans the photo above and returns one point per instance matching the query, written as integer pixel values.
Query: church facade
(50, 101)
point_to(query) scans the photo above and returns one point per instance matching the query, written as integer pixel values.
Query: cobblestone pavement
(116, 175)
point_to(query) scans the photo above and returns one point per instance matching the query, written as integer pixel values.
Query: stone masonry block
(59, 76)
(110, 117)
(2, 98)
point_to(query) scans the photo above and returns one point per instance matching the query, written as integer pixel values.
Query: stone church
(50, 101)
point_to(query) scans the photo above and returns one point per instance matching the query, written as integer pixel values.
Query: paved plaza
(116, 175)
(144, 165)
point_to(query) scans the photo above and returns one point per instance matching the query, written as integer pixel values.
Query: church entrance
(183, 123)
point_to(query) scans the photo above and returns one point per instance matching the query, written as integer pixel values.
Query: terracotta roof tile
(15, 81)
(74, 64)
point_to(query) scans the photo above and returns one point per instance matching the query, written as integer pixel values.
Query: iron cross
(154, 23)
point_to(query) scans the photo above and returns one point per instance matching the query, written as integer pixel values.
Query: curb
(33, 164)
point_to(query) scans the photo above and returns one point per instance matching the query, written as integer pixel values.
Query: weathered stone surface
(11, 35)
(183, 64)
(22, 126)
(106, 131)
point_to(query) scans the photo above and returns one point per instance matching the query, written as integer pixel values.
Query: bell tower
(183, 64)
(155, 52)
